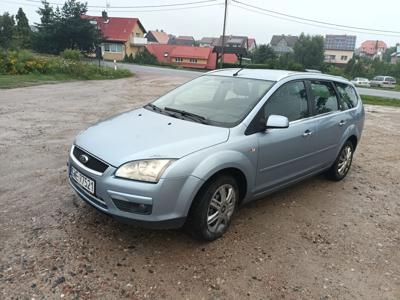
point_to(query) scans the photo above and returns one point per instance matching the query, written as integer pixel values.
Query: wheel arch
(236, 173)
(353, 139)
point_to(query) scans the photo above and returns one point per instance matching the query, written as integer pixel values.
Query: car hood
(143, 134)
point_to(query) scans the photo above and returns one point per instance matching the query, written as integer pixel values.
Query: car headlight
(149, 170)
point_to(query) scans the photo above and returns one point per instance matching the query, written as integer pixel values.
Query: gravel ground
(316, 240)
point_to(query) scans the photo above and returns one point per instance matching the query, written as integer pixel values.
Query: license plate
(82, 180)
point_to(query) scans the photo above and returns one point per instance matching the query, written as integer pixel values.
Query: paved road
(379, 93)
(157, 70)
(193, 74)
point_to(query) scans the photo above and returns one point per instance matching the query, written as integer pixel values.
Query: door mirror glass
(276, 121)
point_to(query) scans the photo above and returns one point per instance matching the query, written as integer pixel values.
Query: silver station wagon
(230, 136)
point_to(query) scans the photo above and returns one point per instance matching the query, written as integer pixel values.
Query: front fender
(227, 159)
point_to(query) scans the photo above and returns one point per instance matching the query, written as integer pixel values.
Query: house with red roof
(373, 48)
(188, 56)
(157, 37)
(121, 36)
(251, 44)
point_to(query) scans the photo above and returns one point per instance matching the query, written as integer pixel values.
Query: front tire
(213, 209)
(342, 164)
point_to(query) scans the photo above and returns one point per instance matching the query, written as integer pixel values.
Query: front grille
(93, 163)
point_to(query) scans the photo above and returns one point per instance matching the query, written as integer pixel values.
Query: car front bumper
(168, 200)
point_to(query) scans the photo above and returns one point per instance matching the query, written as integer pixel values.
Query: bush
(128, 59)
(25, 62)
(145, 57)
(72, 54)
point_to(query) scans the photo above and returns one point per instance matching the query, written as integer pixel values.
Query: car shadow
(127, 235)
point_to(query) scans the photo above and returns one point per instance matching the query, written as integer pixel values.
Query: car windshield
(217, 100)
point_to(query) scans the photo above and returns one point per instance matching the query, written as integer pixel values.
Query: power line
(123, 11)
(314, 21)
(137, 6)
(164, 9)
(20, 3)
(311, 24)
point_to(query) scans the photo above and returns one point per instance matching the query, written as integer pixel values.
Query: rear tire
(342, 164)
(213, 208)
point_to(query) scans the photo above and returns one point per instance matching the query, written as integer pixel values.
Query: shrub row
(25, 62)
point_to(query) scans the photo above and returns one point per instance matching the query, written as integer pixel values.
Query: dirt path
(315, 240)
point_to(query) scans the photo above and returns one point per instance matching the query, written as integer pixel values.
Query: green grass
(372, 100)
(15, 81)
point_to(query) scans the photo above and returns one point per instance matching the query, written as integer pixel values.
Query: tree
(387, 55)
(309, 51)
(263, 54)
(66, 29)
(7, 28)
(23, 31)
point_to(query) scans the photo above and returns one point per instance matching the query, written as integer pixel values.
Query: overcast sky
(207, 21)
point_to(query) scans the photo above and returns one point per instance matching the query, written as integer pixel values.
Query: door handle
(342, 122)
(307, 133)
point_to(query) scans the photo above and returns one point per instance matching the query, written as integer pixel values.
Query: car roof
(270, 74)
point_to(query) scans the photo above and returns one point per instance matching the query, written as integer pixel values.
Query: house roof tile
(161, 36)
(371, 47)
(290, 39)
(115, 28)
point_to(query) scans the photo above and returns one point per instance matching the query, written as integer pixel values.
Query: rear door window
(324, 97)
(348, 96)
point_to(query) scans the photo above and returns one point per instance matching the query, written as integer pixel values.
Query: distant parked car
(383, 81)
(359, 81)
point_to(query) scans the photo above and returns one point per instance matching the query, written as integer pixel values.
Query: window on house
(178, 59)
(111, 47)
(193, 60)
(344, 57)
(330, 57)
(137, 34)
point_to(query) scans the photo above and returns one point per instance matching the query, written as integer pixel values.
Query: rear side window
(348, 96)
(324, 97)
(290, 101)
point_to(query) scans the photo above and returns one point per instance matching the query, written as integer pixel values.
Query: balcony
(138, 41)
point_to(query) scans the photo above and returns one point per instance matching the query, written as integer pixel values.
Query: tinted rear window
(324, 97)
(348, 96)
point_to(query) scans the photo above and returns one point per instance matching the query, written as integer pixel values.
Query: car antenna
(237, 72)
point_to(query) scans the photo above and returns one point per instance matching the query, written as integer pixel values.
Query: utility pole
(223, 35)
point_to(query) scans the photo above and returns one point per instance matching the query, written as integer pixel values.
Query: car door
(329, 119)
(288, 153)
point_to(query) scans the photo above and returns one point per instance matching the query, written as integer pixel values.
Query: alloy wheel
(345, 160)
(221, 208)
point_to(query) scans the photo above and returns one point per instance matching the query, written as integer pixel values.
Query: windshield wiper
(154, 107)
(187, 114)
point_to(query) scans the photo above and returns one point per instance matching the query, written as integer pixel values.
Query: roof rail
(313, 71)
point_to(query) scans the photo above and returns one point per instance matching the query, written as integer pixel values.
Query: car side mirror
(276, 121)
